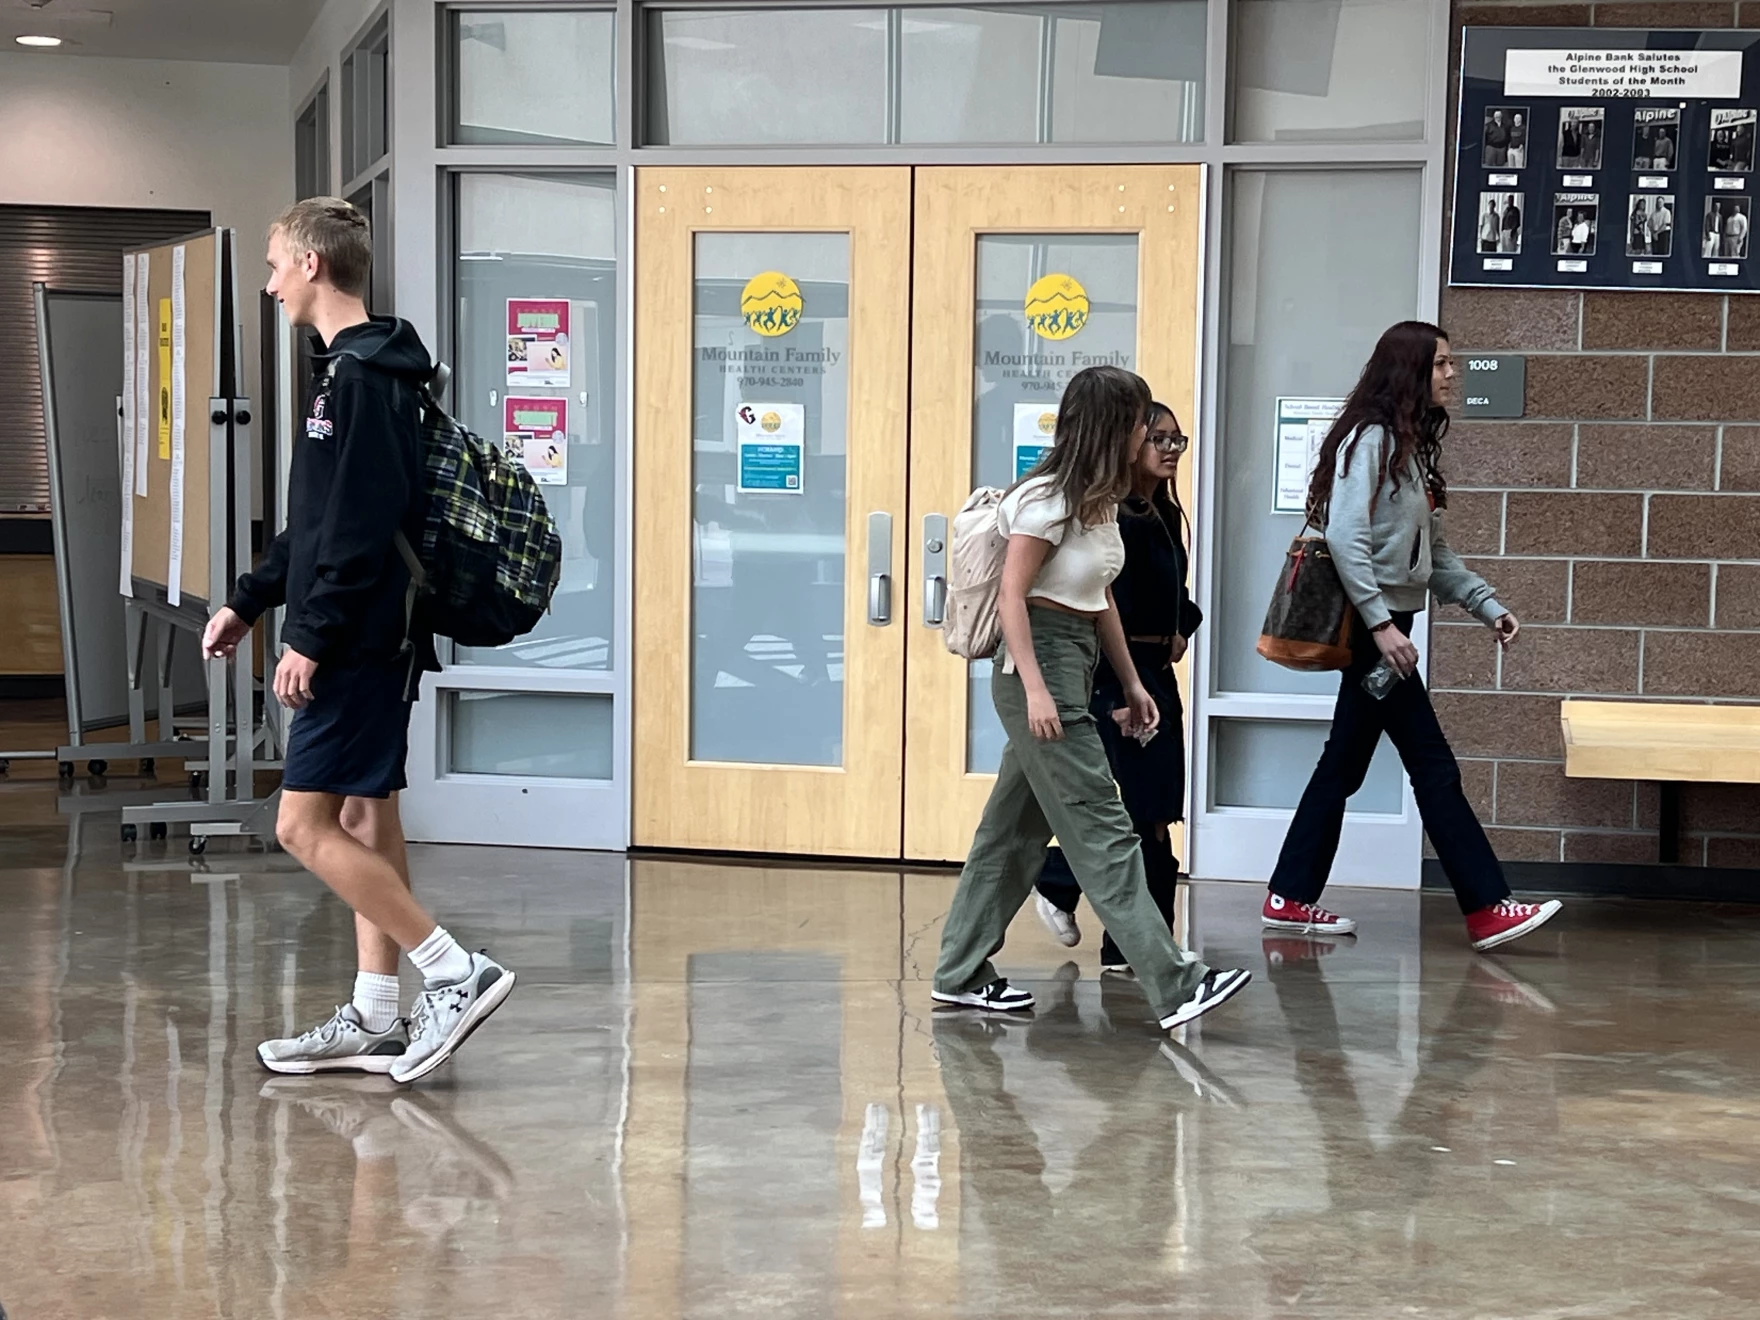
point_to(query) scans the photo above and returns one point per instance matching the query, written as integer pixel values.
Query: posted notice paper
(1035, 425)
(1606, 74)
(772, 448)
(1302, 425)
(535, 431)
(179, 415)
(143, 381)
(126, 448)
(538, 345)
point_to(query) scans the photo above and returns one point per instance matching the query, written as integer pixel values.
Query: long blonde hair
(1089, 462)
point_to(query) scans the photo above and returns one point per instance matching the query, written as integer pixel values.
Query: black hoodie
(357, 480)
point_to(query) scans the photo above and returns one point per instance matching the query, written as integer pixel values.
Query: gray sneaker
(342, 1044)
(445, 1015)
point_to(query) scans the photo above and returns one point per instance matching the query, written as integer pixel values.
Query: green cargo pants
(1063, 788)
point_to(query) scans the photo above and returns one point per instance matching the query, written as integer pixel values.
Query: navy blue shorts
(353, 739)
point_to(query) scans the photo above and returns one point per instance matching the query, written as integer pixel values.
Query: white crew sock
(375, 999)
(441, 958)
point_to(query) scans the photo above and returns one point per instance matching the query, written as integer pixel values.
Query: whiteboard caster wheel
(97, 767)
(157, 831)
(5, 765)
(198, 844)
(148, 768)
(65, 769)
(130, 833)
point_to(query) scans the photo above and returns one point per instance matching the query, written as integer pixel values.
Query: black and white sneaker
(1219, 985)
(1205, 1084)
(997, 997)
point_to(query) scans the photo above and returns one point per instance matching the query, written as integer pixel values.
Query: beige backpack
(977, 548)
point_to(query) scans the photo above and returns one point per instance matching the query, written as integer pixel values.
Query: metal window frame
(316, 105)
(1427, 158)
(446, 61)
(371, 41)
(426, 163)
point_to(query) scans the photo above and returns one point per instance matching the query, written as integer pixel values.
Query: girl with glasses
(1056, 607)
(1159, 617)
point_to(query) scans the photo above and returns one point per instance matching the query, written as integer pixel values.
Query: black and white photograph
(1726, 228)
(1575, 219)
(1506, 137)
(1500, 222)
(1656, 139)
(1581, 137)
(1650, 225)
(1732, 141)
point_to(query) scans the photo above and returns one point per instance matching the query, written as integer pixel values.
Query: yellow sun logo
(771, 304)
(1057, 306)
(770, 422)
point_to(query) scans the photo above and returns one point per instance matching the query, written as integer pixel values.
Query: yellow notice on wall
(165, 379)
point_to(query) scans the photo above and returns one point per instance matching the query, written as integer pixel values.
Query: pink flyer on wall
(536, 432)
(537, 343)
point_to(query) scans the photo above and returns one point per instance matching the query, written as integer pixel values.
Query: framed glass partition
(536, 119)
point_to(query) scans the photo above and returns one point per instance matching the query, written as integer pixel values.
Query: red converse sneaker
(1310, 919)
(1508, 920)
(1281, 949)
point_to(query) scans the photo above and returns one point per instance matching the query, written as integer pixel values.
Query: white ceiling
(235, 31)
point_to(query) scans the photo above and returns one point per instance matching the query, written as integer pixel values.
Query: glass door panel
(1305, 305)
(772, 334)
(537, 268)
(1044, 271)
(769, 447)
(1025, 349)
(526, 744)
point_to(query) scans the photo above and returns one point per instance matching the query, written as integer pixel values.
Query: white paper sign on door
(179, 416)
(772, 448)
(1035, 426)
(143, 383)
(1302, 425)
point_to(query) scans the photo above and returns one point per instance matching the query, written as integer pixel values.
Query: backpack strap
(417, 577)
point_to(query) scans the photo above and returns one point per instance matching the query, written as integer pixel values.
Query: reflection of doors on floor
(809, 1174)
(790, 695)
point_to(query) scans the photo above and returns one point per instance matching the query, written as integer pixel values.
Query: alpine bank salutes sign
(1640, 74)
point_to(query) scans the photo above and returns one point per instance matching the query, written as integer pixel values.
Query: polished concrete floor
(720, 1091)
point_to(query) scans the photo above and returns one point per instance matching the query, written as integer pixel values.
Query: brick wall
(1620, 519)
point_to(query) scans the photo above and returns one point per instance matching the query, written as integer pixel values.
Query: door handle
(879, 569)
(934, 570)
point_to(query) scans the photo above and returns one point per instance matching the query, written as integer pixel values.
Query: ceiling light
(38, 41)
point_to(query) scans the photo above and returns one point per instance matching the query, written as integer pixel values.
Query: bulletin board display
(1607, 158)
(166, 350)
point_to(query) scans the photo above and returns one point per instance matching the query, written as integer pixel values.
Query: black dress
(1153, 602)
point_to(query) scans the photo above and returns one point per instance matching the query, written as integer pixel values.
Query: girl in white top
(1056, 609)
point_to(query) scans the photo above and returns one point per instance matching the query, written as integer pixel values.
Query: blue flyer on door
(771, 448)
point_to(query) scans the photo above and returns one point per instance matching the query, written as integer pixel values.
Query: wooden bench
(1670, 743)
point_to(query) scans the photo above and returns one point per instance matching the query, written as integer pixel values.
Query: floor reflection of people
(1389, 1169)
(1098, 1241)
(417, 1174)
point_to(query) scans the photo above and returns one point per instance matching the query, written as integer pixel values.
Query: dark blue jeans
(1358, 721)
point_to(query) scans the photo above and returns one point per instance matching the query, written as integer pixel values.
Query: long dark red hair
(1394, 393)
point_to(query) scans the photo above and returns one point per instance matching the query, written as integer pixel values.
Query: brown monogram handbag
(1309, 623)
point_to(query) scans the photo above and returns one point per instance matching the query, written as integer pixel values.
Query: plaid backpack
(491, 555)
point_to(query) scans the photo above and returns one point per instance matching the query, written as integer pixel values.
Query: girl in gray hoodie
(1378, 496)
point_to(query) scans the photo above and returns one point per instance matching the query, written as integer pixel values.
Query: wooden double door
(827, 362)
